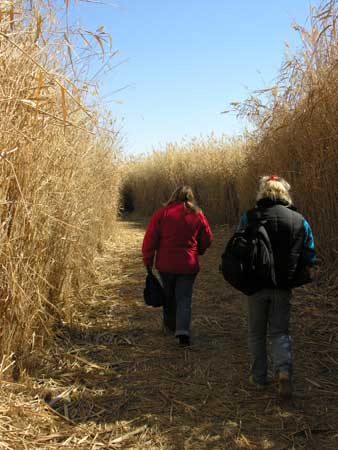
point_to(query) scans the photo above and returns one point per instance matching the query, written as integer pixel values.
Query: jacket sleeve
(151, 238)
(309, 253)
(204, 237)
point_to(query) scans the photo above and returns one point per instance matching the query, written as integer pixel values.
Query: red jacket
(178, 236)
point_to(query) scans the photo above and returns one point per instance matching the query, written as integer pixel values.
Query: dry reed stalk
(59, 179)
(209, 165)
(297, 128)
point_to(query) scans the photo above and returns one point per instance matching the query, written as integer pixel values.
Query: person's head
(184, 194)
(274, 187)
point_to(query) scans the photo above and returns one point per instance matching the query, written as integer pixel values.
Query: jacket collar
(268, 202)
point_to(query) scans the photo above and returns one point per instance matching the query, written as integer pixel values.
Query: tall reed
(209, 165)
(59, 177)
(297, 128)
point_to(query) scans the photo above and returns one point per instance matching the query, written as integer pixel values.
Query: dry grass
(59, 178)
(209, 165)
(296, 136)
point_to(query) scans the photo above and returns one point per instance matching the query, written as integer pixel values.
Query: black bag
(153, 292)
(248, 262)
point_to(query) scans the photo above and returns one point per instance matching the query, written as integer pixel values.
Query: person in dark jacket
(176, 235)
(293, 250)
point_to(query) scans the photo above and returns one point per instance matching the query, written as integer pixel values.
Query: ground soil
(118, 382)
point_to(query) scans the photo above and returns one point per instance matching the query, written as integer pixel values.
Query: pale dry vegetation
(60, 284)
(297, 128)
(295, 136)
(59, 177)
(210, 165)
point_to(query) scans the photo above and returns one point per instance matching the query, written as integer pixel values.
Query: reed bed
(208, 164)
(59, 176)
(295, 135)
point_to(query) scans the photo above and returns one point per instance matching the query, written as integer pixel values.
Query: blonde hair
(274, 187)
(184, 194)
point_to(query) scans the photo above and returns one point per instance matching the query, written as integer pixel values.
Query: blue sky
(184, 61)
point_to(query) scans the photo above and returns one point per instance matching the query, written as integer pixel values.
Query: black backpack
(248, 262)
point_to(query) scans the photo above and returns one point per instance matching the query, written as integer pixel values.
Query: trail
(125, 385)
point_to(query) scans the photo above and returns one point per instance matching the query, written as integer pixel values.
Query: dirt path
(124, 385)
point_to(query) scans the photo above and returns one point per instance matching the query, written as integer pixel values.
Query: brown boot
(284, 385)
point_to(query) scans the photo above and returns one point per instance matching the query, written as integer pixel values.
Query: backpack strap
(255, 220)
(272, 259)
(254, 216)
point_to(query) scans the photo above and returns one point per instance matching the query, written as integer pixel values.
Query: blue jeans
(177, 310)
(270, 308)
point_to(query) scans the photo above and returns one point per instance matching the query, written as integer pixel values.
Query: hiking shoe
(284, 385)
(184, 340)
(260, 386)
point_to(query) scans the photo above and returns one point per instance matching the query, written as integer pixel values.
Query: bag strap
(255, 219)
(272, 261)
(255, 216)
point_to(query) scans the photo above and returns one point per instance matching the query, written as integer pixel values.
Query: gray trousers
(177, 310)
(269, 310)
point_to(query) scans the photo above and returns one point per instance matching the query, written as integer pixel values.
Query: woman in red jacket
(177, 234)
